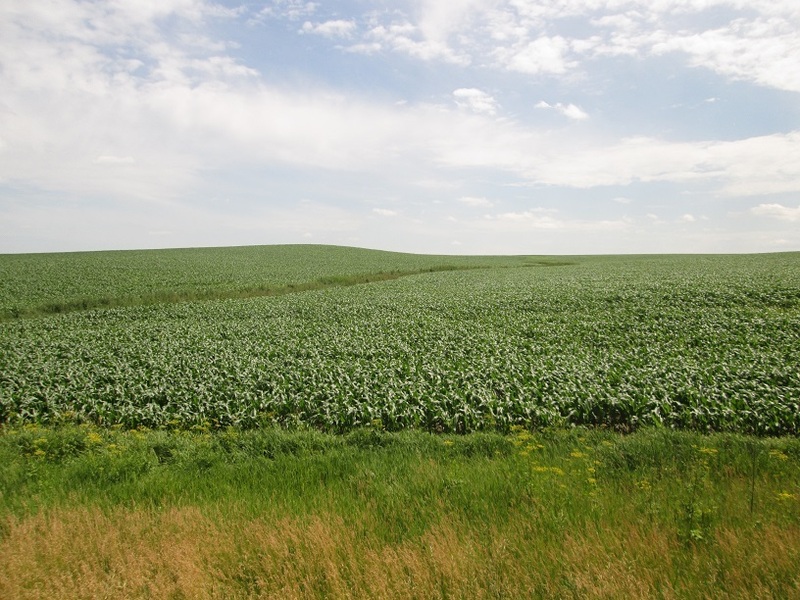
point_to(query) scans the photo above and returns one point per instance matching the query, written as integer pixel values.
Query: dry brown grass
(187, 553)
(651, 562)
(85, 553)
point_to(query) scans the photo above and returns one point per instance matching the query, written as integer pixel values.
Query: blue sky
(467, 126)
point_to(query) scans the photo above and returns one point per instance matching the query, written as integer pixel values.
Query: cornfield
(705, 343)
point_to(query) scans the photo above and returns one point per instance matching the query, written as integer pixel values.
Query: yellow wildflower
(554, 470)
(778, 454)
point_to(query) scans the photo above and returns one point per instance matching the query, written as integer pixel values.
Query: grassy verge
(87, 513)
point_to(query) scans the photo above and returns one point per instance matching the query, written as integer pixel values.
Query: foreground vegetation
(91, 513)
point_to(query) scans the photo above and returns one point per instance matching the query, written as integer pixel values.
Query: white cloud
(545, 55)
(568, 110)
(114, 160)
(755, 41)
(407, 39)
(440, 20)
(293, 10)
(572, 111)
(542, 219)
(766, 51)
(777, 211)
(385, 212)
(476, 201)
(221, 67)
(759, 165)
(529, 219)
(370, 48)
(331, 29)
(476, 100)
(752, 166)
(688, 218)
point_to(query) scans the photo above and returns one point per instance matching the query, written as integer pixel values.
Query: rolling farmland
(705, 343)
(41, 284)
(319, 422)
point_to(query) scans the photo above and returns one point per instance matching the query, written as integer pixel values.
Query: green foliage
(687, 481)
(694, 343)
(48, 284)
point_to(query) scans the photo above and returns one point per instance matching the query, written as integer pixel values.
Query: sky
(430, 126)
